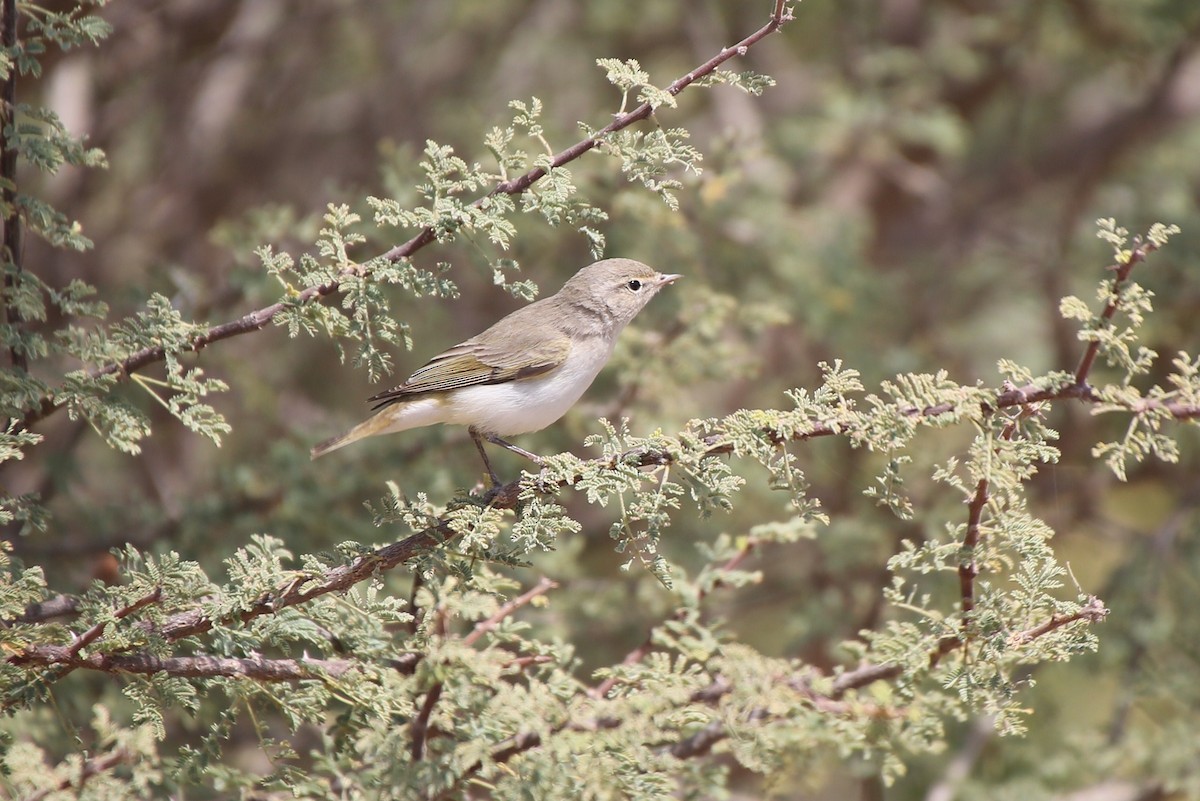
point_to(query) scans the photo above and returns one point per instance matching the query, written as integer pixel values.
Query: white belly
(532, 403)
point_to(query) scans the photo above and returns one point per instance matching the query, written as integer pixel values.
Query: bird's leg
(483, 454)
(533, 457)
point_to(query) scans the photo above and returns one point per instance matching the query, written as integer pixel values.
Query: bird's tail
(375, 424)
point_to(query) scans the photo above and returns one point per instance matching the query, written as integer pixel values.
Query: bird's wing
(514, 353)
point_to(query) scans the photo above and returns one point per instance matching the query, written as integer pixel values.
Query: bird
(525, 371)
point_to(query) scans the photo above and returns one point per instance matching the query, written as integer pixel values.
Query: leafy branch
(827, 412)
(90, 768)
(260, 318)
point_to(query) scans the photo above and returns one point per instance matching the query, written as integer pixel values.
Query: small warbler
(524, 372)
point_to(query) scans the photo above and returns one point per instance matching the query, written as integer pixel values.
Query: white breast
(530, 404)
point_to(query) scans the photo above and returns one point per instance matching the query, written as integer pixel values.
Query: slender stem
(1094, 611)
(968, 568)
(506, 609)
(94, 633)
(419, 729)
(1122, 275)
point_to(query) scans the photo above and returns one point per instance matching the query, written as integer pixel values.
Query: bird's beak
(668, 278)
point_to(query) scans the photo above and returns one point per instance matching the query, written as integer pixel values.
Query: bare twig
(701, 742)
(522, 662)
(861, 676)
(258, 319)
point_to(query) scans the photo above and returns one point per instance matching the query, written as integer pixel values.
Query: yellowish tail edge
(372, 425)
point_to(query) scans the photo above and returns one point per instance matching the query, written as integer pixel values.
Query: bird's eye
(635, 285)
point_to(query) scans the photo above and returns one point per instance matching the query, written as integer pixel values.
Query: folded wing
(496, 360)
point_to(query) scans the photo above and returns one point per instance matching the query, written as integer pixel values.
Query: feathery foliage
(448, 641)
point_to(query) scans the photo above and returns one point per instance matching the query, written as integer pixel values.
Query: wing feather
(511, 350)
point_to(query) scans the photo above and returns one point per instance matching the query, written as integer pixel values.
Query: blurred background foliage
(916, 193)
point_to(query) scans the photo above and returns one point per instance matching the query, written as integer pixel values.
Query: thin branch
(968, 565)
(1029, 394)
(337, 579)
(94, 633)
(701, 742)
(861, 676)
(90, 768)
(506, 610)
(632, 658)
(419, 729)
(1122, 274)
(522, 662)
(1094, 611)
(968, 569)
(300, 590)
(190, 667)
(517, 745)
(259, 318)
